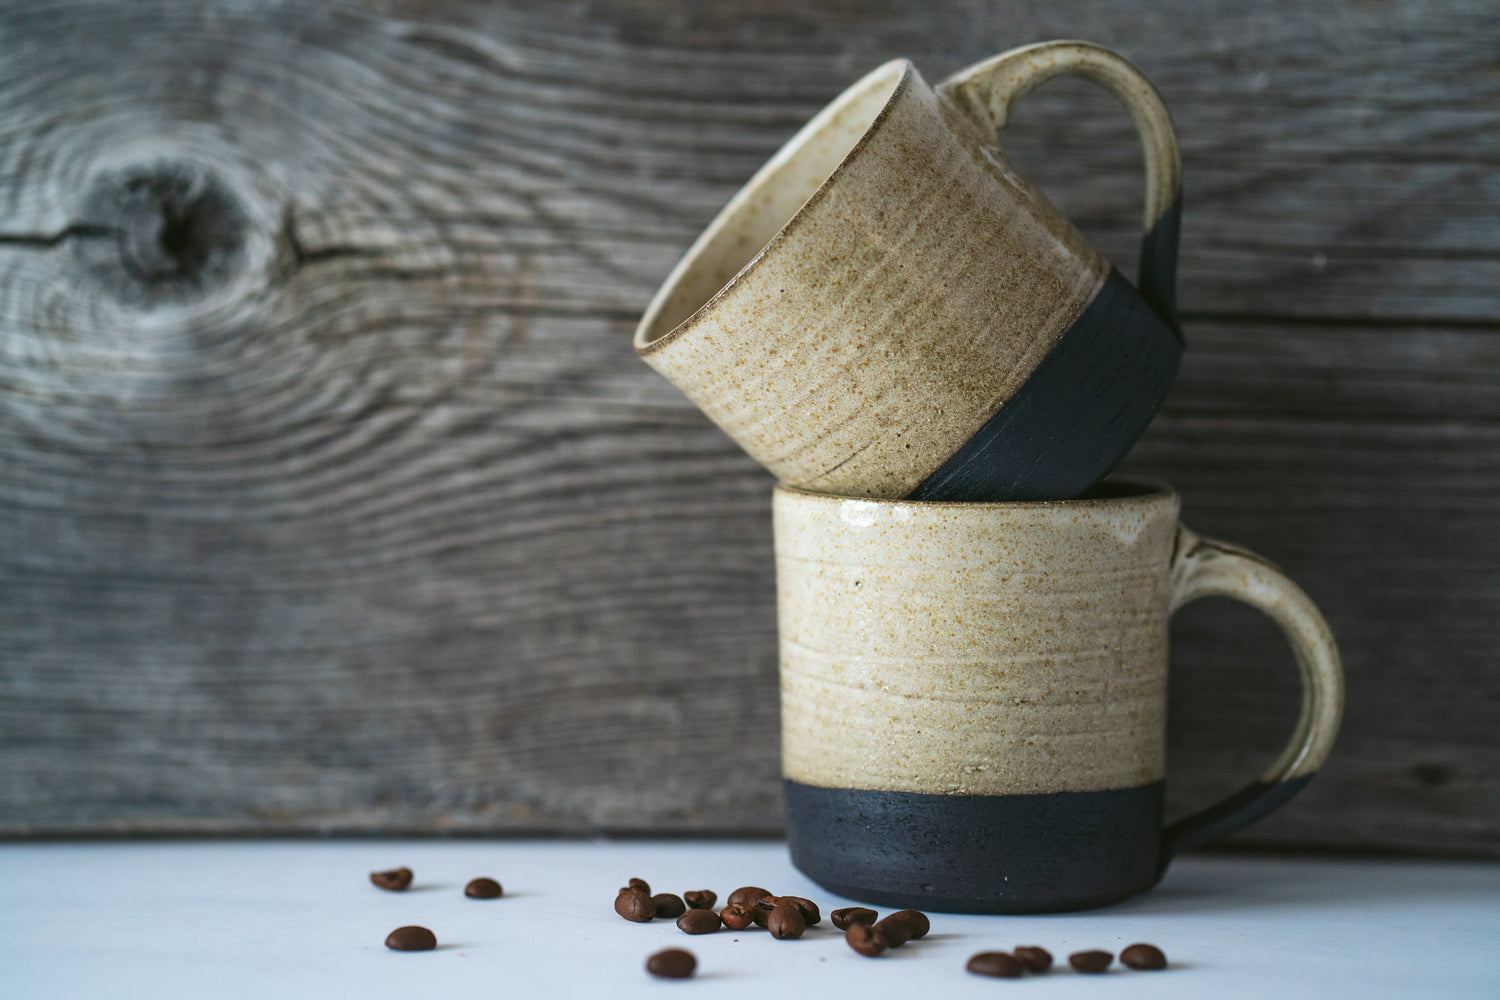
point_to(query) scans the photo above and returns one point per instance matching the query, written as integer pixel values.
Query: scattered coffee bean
(895, 932)
(668, 905)
(633, 904)
(674, 963)
(699, 922)
(411, 939)
(1146, 957)
(639, 883)
(700, 899)
(915, 920)
(785, 922)
(761, 911)
(865, 939)
(1034, 958)
(394, 880)
(483, 888)
(842, 919)
(736, 916)
(1090, 961)
(1001, 964)
(809, 909)
(748, 895)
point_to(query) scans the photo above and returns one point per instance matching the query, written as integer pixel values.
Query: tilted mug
(888, 309)
(974, 695)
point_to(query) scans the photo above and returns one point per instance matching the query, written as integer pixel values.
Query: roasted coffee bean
(748, 895)
(411, 939)
(761, 911)
(394, 880)
(849, 915)
(736, 916)
(483, 888)
(633, 904)
(895, 932)
(1035, 959)
(674, 963)
(1000, 964)
(865, 939)
(668, 905)
(1146, 957)
(809, 909)
(1090, 961)
(639, 883)
(786, 922)
(915, 920)
(699, 922)
(700, 899)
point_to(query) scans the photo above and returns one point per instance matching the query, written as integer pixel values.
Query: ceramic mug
(888, 309)
(974, 695)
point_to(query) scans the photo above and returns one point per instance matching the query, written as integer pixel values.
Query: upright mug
(974, 695)
(888, 309)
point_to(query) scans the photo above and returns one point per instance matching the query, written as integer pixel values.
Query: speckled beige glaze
(1002, 648)
(886, 282)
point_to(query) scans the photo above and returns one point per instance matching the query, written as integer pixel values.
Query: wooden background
(332, 496)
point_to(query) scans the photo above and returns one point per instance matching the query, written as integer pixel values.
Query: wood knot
(178, 233)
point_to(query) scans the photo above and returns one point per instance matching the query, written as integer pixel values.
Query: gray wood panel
(333, 497)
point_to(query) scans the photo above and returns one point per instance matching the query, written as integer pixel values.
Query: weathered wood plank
(332, 496)
(1364, 137)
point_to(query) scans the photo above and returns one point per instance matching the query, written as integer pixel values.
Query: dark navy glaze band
(1093, 394)
(1158, 274)
(1079, 412)
(977, 853)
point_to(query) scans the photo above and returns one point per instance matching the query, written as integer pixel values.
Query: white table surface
(287, 919)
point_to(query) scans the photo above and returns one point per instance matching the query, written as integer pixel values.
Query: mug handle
(987, 93)
(1202, 567)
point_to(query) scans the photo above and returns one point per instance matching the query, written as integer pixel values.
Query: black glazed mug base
(1077, 413)
(1038, 853)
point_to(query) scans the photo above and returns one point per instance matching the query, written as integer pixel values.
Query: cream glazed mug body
(974, 695)
(888, 309)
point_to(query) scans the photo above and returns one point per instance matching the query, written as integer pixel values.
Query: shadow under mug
(974, 696)
(888, 309)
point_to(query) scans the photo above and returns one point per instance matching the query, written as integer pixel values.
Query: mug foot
(1038, 853)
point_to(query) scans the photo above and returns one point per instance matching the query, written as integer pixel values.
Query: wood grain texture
(332, 496)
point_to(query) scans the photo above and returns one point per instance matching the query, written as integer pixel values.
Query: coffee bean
(916, 920)
(1000, 964)
(865, 939)
(700, 899)
(668, 905)
(844, 918)
(809, 909)
(786, 922)
(411, 939)
(639, 883)
(761, 911)
(633, 904)
(1090, 961)
(736, 916)
(1146, 957)
(748, 895)
(394, 880)
(483, 888)
(674, 963)
(895, 932)
(699, 922)
(1035, 959)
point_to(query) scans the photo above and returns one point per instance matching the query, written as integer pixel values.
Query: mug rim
(1143, 489)
(784, 154)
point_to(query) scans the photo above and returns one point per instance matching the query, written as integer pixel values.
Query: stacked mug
(941, 372)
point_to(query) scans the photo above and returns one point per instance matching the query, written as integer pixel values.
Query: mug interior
(769, 202)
